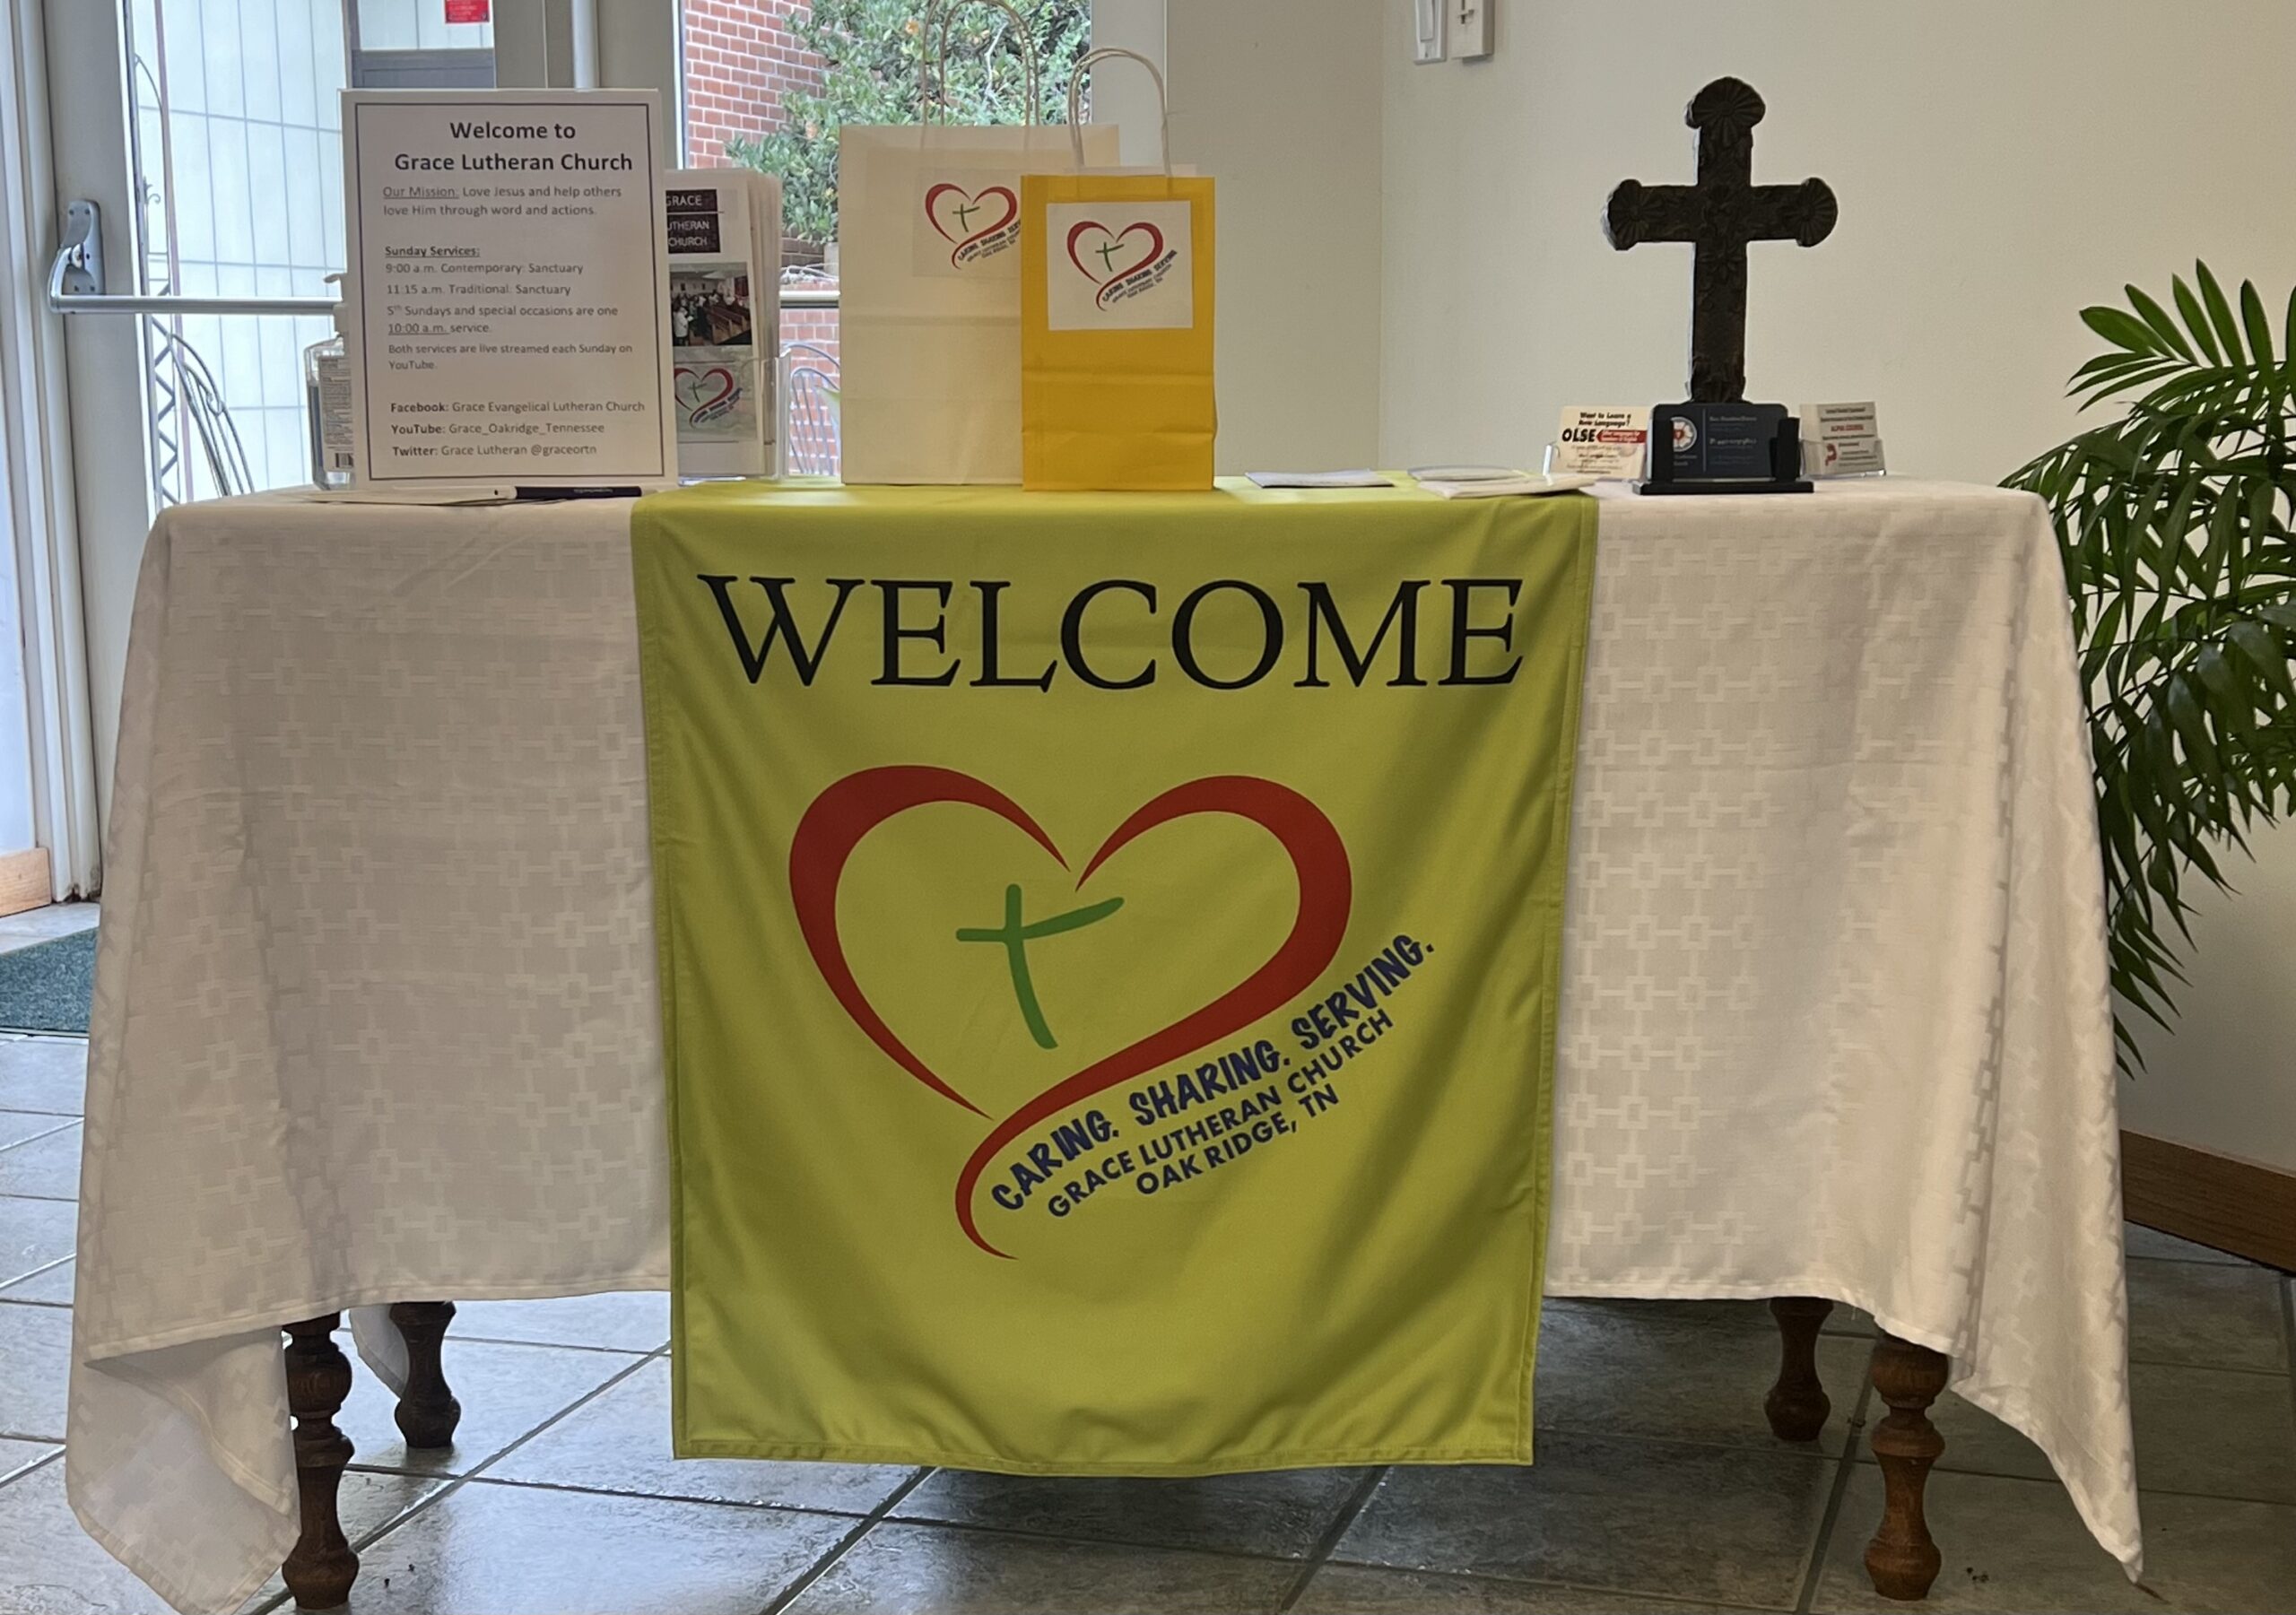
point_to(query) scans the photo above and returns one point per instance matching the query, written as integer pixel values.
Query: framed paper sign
(508, 304)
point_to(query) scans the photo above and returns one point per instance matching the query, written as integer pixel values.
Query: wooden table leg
(321, 1568)
(1902, 1558)
(427, 1412)
(1797, 1404)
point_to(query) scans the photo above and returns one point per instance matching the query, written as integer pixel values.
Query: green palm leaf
(2220, 314)
(2123, 330)
(2156, 316)
(2259, 324)
(2175, 525)
(2196, 321)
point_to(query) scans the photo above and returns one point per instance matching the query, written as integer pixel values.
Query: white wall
(1279, 101)
(2000, 164)
(2226, 1080)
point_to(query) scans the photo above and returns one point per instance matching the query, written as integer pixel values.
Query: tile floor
(1658, 1486)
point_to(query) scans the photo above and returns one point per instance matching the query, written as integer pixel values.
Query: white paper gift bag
(929, 322)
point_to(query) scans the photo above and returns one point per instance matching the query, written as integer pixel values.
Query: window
(237, 145)
(423, 44)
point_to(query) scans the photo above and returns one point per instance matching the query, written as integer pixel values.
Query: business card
(1842, 458)
(1602, 442)
(1826, 423)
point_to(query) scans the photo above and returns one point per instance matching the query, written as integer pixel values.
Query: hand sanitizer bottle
(327, 403)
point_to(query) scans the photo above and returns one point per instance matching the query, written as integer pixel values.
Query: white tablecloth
(375, 1015)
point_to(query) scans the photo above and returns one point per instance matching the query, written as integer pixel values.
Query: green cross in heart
(1015, 938)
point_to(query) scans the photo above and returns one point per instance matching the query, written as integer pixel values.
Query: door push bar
(75, 281)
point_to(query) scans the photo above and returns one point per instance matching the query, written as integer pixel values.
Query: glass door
(235, 159)
(236, 167)
(205, 134)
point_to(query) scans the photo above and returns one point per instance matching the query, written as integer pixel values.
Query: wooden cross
(1720, 214)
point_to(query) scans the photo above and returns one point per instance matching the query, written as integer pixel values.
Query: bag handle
(1076, 100)
(933, 70)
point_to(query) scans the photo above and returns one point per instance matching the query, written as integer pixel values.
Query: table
(375, 1020)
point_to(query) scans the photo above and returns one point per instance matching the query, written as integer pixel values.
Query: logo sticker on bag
(1120, 266)
(715, 400)
(967, 223)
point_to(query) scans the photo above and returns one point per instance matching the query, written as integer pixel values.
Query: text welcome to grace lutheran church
(1429, 632)
(564, 160)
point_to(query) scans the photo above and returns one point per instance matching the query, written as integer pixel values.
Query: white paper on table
(1319, 479)
(1466, 473)
(1510, 487)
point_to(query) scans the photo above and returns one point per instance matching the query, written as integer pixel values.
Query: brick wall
(741, 59)
(816, 326)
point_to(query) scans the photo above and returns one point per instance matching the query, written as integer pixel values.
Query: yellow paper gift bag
(1116, 277)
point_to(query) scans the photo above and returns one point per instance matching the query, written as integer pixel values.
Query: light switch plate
(1428, 20)
(1468, 23)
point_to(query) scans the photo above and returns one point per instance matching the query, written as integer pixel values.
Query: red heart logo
(968, 202)
(848, 810)
(1111, 248)
(689, 384)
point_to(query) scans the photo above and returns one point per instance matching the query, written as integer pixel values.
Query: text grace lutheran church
(494, 161)
(818, 805)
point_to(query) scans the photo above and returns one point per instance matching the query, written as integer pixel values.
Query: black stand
(1797, 486)
(1674, 471)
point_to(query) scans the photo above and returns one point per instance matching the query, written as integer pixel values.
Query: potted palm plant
(2175, 524)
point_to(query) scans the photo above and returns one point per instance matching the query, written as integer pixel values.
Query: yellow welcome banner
(1109, 955)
